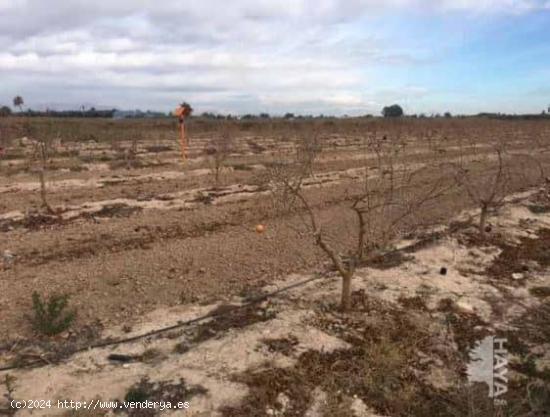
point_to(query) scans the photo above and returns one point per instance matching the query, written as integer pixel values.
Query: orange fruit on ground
(260, 228)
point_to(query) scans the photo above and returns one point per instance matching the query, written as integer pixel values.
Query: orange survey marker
(181, 113)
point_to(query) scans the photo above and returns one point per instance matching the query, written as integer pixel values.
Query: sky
(331, 57)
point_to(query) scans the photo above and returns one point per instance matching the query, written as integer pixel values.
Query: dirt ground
(140, 240)
(404, 349)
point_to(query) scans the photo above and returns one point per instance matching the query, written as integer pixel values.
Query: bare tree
(219, 149)
(486, 179)
(7, 134)
(390, 192)
(43, 143)
(42, 152)
(538, 154)
(130, 154)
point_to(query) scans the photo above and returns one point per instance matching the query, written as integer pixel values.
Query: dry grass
(378, 368)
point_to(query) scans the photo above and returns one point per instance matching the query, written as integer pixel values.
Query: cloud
(302, 54)
(496, 6)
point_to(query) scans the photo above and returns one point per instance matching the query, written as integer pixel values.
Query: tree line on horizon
(392, 111)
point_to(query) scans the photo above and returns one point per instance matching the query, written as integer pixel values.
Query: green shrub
(50, 316)
(139, 393)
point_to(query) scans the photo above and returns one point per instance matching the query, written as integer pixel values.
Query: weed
(515, 259)
(227, 317)
(8, 395)
(414, 303)
(50, 316)
(181, 348)
(283, 345)
(466, 328)
(165, 391)
(137, 394)
(152, 356)
(541, 292)
(538, 209)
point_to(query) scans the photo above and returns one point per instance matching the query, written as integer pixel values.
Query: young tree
(488, 176)
(43, 139)
(130, 153)
(390, 193)
(43, 156)
(219, 148)
(485, 180)
(8, 132)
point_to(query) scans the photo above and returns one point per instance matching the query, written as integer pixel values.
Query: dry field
(139, 240)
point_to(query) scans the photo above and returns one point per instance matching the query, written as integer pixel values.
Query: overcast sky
(303, 56)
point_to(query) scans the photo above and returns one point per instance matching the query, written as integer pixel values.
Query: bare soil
(144, 242)
(403, 349)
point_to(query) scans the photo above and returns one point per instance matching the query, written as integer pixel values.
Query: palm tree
(18, 102)
(181, 113)
(186, 109)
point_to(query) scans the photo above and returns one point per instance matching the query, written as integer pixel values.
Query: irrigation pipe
(252, 301)
(214, 314)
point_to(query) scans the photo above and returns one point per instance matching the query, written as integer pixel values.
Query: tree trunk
(183, 141)
(43, 191)
(345, 303)
(483, 220)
